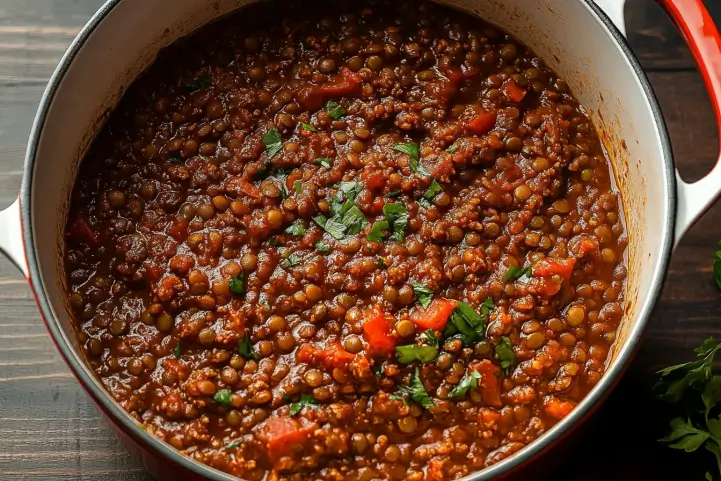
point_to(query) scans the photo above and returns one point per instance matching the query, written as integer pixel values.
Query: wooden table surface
(50, 431)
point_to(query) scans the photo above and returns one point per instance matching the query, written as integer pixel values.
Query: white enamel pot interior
(575, 38)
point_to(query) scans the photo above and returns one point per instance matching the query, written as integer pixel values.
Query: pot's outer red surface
(705, 42)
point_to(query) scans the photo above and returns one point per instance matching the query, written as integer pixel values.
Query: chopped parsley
(452, 148)
(347, 218)
(393, 193)
(223, 397)
(423, 294)
(416, 392)
(415, 352)
(178, 349)
(381, 262)
(378, 231)
(291, 261)
(516, 272)
(245, 349)
(378, 370)
(272, 142)
(467, 323)
(199, 83)
(322, 247)
(469, 381)
(433, 190)
(309, 127)
(412, 149)
(323, 162)
(504, 353)
(334, 110)
(233, 445)
(397, 217)
(237, 285)
(175, 159)
(297, 186)
(296, 228)
(306, 400)
(430, 337)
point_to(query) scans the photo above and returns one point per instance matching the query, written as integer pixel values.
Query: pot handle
(702, 36)
(11, 239)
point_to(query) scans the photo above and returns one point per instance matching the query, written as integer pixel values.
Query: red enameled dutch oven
(583, 40)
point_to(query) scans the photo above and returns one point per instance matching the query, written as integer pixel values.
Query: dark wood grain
(50, 431)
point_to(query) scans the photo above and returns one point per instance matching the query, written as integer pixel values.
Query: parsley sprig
(696, 390)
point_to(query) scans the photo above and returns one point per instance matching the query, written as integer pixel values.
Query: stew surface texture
(347, 241)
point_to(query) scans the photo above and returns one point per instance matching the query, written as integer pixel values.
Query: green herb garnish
(378, 231)
(378, 370)
(433, 190)
(323, 162)
(697, 392)
(291, 261)
(423, 294)
(393, 193)
(412, 149)
(223, 397)
(429, 337)
(178, 351)
(452, 148)
(306, 400)
(334, 110)
(504, 353)
(415, 352)
(309, 127)
(469, 381)
(347, 218)
(237, 285)
(322, 247)
(233, 445)
(297, 186)
(516, 272)
(381, 262)
(467, 323)
(416, 392)
(272, 142)
(175, 159)
(245, 348)
(397, 217)
(296, 228)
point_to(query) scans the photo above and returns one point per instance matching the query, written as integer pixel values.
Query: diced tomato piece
(481, 123)
(239, 185)
(335, 356)
(178, 230)
(556, 408)
(310, 97)
(349, 84)
(80, 231)
(545, 286)
(331, 357)
(489, 385)
(282, 434)
(377, 332)
(513, 92)
(582, 245)
(549, 267)
(436, 316)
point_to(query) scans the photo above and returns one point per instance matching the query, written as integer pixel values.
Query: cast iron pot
(583, 40)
